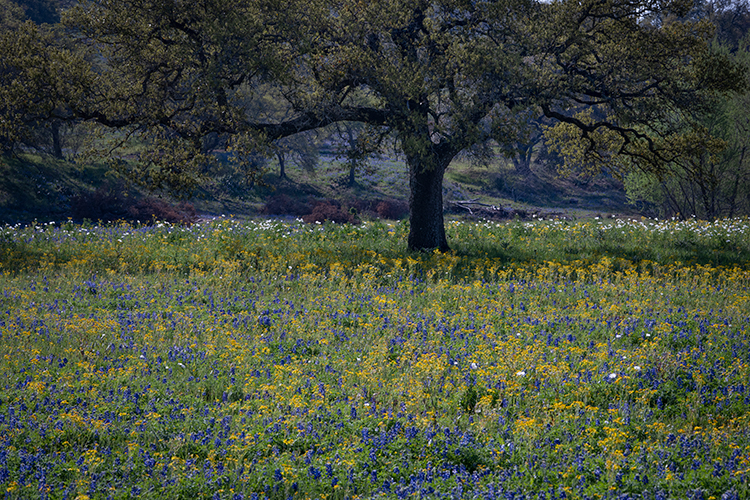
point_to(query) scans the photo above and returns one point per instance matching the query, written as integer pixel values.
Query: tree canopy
(622, 77)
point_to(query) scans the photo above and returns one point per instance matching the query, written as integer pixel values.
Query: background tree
(529, 128)
(266, 103)
(440, 75)
(709, 184)
(356, 144)
(41, 81)
(302, 149)
(730, 17)
(709, 175)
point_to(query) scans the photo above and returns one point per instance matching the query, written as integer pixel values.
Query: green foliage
(469, 399)
(586, 153)
(40, 80)
(11, 15)
(646, 193)
(710, 183)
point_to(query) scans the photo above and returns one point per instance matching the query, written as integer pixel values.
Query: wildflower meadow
(595, 359)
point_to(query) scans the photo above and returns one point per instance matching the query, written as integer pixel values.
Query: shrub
(330, 211)
(106, 203)
(150, 210)
(392, 209)
(109, 203)
(283, 204)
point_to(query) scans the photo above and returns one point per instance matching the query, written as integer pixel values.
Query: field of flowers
(271, 359)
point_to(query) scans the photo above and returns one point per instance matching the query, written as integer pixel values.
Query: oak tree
(439, 75)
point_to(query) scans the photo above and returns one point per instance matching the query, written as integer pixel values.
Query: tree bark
(352, 159)
(352, 167)
(56, 142)
(523, 166)
(282, 165)
(427, 227)
(522, 160)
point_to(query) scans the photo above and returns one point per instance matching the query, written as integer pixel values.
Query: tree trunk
(56, 142)
(282, 166)
(522, 161)
(352, 159)
(427, 230)
(352, 168)
(735, 187)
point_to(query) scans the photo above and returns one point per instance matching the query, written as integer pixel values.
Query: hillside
(41, 188)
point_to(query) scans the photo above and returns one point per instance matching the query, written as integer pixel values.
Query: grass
(244, 359)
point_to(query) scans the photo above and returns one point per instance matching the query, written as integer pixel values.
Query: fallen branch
(467, 205)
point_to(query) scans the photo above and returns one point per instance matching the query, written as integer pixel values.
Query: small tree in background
(709, 184)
